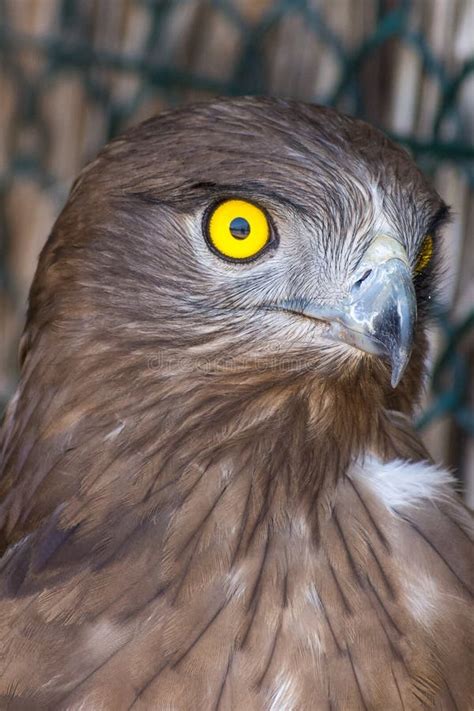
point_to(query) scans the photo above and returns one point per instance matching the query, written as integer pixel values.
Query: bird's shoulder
(423, 516)
(408, 539)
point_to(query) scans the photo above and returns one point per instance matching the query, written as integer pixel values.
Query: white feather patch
(236, 583)
(115, 432)
(283, 696)
(423, 598)
(400, 483)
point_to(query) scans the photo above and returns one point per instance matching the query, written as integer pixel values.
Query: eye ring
(238, 230)
(425, 254)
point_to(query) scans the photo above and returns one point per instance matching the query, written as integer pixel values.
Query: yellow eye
(238, 229)
(425, 255)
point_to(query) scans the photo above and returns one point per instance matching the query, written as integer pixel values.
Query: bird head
(250, 235)
(246, 278)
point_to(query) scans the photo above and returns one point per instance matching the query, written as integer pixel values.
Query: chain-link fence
(73, 73)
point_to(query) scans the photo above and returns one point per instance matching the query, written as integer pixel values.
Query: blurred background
(74, 73)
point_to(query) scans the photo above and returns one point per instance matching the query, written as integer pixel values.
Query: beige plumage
(209, 499)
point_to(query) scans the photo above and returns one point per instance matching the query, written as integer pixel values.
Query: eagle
(212, 495)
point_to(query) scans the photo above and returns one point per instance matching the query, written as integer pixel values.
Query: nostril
(364, 276)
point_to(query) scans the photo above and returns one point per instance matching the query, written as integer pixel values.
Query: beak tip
(399, 362)
(396, 376)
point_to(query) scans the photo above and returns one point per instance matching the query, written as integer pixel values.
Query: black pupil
(239, 228)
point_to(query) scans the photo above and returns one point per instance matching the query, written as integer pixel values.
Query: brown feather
(182, 520)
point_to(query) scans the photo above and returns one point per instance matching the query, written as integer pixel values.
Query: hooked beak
(379, 314)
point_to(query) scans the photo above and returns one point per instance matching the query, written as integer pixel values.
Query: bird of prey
(211, 493)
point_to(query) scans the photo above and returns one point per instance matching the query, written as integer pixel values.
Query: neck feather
(106, 434)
